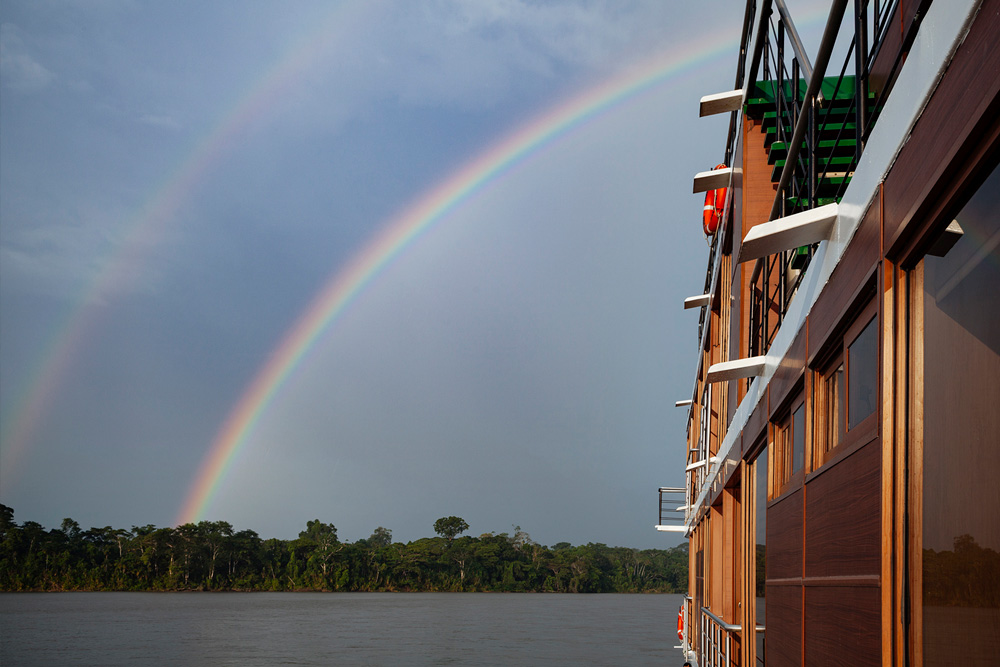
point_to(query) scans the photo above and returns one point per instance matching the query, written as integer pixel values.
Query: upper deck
(838, 429)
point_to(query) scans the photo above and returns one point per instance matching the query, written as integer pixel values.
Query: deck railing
(673, 508)
(717, 646)
(816, 127)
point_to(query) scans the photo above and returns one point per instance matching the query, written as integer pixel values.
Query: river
(337, 629)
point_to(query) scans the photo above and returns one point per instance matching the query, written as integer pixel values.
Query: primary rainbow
(402, 230)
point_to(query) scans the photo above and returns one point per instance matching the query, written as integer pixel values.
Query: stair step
(825, 148)
(836, 164)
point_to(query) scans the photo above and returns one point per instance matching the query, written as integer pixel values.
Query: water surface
(337, 628)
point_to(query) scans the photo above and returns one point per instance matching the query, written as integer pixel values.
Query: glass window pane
(760, 508)
(961, 456)
(841, 405)
(798, 438)
(862, 375)
(835, 406)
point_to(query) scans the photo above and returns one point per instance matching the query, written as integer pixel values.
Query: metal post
(811, 155)
(860, 74)
(815, 81)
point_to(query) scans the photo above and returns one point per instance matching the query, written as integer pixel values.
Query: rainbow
(146, 228)
(345, 285)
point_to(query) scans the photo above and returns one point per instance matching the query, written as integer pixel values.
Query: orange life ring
(680, 623)
(715, 202)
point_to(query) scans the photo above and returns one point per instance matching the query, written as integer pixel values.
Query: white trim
(792, 231)
(671, 529)
(712, 179)
(721, 103)
(684, 403)
(698, 464)
(736, 369)
(697, 301)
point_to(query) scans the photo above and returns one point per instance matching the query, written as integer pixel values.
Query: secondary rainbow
(402, 230)
(145, 229)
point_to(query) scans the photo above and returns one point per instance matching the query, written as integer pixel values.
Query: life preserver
(715, 202)
(680, 623)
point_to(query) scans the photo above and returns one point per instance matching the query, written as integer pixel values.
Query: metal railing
(673, 507)
(821, 124)
(774, 280)
(717, 641)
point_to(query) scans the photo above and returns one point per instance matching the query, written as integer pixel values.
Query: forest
(211, 556)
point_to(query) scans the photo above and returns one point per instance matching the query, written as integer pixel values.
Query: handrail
(729, 627)
(800, 51)
(815, 81)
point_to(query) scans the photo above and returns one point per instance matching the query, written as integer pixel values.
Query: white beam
(789, 232)
(697, 301)
(736, 369)
(712, 180)
(671, 529)
(685, 403)
(698, 464)
(721, 103)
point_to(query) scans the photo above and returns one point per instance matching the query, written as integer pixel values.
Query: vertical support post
(860, 75)
(811, 155)
(796, 110)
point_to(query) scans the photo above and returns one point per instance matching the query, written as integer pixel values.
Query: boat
(841, 500)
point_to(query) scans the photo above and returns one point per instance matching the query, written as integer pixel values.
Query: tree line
(212, 556)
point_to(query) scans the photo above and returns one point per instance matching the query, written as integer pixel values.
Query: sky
(372, 263)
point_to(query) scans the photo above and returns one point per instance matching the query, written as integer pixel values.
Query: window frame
(837, 356)
(784, 476)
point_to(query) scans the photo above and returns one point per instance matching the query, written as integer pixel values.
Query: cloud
(18, 70)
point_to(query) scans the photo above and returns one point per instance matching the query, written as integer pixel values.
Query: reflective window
(862, 375)
(955, 309)
(760, 514)
(798, 437)
(836, 407)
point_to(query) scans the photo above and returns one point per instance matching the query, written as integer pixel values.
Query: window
(846, 388)
(789, 437)
(862, 377)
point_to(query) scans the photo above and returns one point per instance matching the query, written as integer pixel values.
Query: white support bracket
(697, 301)
(721, 103)
(698, 464)
(736, 369)
(712, 180)
(789, 232)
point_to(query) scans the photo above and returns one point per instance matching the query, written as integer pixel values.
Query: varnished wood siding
(843, 517)
(784, 626)
(950, 130)
(847, 281)
(887, 54)
(842, 626)
(784, 537)
(788, 374)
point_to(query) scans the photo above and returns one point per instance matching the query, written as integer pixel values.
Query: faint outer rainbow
(145, 229)
(349, 281)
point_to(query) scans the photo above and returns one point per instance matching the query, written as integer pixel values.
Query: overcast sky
(179, 180)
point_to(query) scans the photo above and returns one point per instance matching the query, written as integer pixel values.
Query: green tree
(450, 527)
(380, 538)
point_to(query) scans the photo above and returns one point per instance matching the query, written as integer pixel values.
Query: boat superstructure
(842, 450)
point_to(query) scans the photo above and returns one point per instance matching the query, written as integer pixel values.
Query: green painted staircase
(835, 127)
